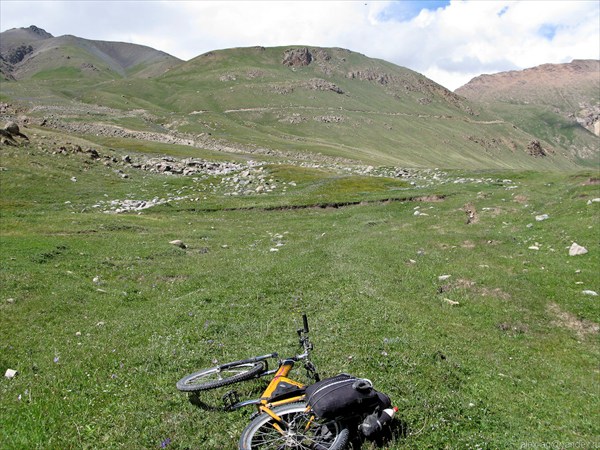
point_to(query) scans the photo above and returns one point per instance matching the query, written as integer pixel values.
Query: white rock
(542, 217)
(74, 179)
(588, 292)
(444, 277)
(10, 373)
(178, 242)
(594, 200)
(577, 249)
(533, 247)
(451, 302)
(274, 250)
(96, 279)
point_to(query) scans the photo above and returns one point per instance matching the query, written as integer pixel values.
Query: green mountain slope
(300, 101)
(34, 53)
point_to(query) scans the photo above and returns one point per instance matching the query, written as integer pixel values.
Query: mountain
(557, 102)
(33, 53)
(295, 102)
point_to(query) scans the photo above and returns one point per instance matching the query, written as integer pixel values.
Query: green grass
(248, 97)
(515, 362)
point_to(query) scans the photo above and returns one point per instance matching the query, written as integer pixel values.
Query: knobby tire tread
(186, 384)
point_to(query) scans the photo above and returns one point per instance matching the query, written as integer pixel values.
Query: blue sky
(406, 10)
(448, 41)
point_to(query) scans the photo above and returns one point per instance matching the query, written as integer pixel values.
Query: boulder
(576, 250)
(297, 57)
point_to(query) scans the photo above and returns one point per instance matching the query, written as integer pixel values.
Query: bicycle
(283, 420)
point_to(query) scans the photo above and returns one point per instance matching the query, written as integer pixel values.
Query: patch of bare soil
(430, 198)
(520, 199)
(471, 211)
(591, 181)
(468, 244)
(565, 319)
(496, 293)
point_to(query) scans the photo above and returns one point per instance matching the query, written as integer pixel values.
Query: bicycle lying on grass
(283, 419)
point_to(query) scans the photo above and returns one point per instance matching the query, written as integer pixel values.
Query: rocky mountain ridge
(310, 102)
(25, 52)
(571, 89)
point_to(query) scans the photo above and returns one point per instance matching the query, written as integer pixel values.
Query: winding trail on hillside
(360, 111)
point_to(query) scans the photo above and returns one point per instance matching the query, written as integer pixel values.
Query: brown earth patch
(467, 244)
(591, 181)
(471, 211)
(565, 319)
(458, 284)
(496, 293)
(520, 198)
(430, 198)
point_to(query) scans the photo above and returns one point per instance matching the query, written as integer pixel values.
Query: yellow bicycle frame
(280, 377)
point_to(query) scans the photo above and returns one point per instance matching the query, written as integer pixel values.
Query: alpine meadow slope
(163, 216)
(297, 99)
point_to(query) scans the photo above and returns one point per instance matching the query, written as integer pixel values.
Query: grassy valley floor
(101, 315)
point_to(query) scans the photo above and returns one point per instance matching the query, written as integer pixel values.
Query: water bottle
(375, 422)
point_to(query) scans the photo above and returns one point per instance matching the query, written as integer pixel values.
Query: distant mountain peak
(39, 32)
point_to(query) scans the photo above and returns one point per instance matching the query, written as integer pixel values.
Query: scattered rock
(577, 249)
(589, 292)
(594, 200)
(10, 373)
(533, 247)
(444, 277)
(451, 302)
(542, 217)
(179, 243)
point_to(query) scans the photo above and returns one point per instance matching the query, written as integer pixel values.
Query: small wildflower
(164, 443)
(56, 358)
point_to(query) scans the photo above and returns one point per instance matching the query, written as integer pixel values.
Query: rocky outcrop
(534, 148)
(318, 84)
(9, 133)
(297, 57)
(370, 75)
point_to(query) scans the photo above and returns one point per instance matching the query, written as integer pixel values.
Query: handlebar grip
(305, 322)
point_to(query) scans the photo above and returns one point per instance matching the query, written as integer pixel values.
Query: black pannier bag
(344, 396)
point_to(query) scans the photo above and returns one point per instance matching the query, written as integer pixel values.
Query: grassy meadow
(101, 316)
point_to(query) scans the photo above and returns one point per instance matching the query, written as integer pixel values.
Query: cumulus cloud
(448, 41)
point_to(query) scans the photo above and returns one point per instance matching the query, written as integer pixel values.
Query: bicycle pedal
(230, 399)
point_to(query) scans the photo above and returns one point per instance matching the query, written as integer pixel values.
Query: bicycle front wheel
(219, 376)
(297, 430)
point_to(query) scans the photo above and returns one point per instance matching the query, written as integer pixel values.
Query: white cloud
(449, 44)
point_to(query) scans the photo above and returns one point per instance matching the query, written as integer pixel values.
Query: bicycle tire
(304, 432)
(219, 376)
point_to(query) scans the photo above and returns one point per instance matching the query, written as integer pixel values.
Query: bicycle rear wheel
(219, 376)
(299, 430)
